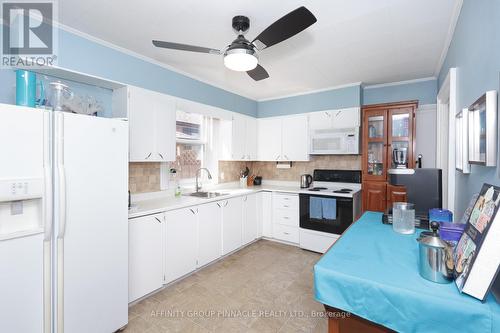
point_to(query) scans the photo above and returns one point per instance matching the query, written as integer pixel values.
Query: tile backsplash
(229, 170)
(144, 177)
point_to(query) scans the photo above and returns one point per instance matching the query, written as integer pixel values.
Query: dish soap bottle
(173, 173)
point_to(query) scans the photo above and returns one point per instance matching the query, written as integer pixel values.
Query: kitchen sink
(206, 195)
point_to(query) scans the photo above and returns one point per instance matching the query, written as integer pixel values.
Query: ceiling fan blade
(286, 27)
(258, 73)
(185, 47)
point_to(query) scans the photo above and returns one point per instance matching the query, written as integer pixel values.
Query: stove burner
(317, 189)
(343, 190)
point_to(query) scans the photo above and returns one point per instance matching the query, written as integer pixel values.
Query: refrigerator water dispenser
(21, 207)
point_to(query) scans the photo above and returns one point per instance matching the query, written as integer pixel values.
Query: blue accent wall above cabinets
(475, 52)
(423, 91)
(316, 101)
(86, 56)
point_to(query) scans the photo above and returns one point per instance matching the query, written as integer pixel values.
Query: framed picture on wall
(483, 130)
(461, 141)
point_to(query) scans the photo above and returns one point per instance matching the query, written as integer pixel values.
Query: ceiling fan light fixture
(240, 59)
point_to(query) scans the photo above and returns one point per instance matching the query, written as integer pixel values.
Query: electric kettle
(305, 181)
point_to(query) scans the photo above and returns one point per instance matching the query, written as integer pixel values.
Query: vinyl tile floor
(264, 287)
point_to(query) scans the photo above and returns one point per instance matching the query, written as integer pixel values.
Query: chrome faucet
(198, 187)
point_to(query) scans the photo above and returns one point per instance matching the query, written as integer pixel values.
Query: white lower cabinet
(231, 224)
(181, 242)
(250, 218)
(285, 213)
(266, 213)
(145, 255)
(209, 232)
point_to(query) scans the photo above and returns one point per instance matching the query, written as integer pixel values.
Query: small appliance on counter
(423, 188)
(305, 181)
(257, 180)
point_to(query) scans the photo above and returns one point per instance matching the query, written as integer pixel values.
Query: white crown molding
(425, 108)
(398, 83)
(311, 91)
(143, 57)
(449, 37)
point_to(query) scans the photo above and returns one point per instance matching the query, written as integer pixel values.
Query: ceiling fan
(241, 54)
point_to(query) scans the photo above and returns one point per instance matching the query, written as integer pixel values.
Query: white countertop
(165, 203)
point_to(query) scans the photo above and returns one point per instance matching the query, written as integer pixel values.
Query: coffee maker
(400, 158)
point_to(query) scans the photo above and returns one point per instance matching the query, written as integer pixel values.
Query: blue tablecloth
(372, 272)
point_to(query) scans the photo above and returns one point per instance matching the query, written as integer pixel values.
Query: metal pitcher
(435, 257)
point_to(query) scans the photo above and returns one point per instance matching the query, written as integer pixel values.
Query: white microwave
(340, 141)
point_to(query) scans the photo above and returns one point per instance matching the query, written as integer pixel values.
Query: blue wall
(324, 100)
(424, 91)
(475, 51)
(80, 54)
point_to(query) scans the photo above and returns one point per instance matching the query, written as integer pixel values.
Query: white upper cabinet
(332, 119)
(283, 139)
(268, 139)
(295, 138)
(151, 125)
(243, 138)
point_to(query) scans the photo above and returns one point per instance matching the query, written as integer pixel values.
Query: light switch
(16, 208)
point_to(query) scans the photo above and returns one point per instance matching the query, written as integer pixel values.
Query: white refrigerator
(63, 222)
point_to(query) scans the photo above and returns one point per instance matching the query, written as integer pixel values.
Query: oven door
(325, 213)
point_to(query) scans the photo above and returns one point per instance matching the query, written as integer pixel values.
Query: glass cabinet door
(400, 143)
(375, 144)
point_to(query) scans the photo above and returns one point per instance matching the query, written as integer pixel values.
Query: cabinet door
(181, 243)
(251, 139)
(396, 194)
(238, 138)
(266, 213)
(320, 120)
(232, 224)
(374, 196)
(375, 145)
(269, 139)
(142, 127)
(295, 138)
(165, 127)
(346, 118)
(250, 221)
(209, 232)
(145, 271)
(401, 134)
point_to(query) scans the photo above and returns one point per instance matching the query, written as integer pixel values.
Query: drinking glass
(403, 217)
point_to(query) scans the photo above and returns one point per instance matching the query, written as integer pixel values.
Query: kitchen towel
(315, 208)
(329, 206)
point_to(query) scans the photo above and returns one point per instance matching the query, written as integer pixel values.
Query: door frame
(445, 128)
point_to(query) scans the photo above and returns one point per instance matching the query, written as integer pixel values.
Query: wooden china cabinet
(385, 127)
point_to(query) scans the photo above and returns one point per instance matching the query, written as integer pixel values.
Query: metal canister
(435, 261)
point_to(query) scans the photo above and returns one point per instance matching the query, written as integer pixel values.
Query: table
(372, 272)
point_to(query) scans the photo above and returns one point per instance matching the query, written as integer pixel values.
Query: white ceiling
(353, 41)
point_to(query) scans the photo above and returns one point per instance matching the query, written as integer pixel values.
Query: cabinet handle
(286, 198)
(286, 206)
(218, 204)
(328, 114)
(286, 157)
(161, 156)
(278, 157)
(157, 219)
(286, 217)
(243, 157)
(227, 202)
(148, 156)
(286, 233)
(245, 198)
(192, 211)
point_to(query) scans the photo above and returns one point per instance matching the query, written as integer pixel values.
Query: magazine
(477, 255)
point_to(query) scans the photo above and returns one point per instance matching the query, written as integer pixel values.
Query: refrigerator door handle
(48, 220)
(61, 174)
